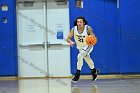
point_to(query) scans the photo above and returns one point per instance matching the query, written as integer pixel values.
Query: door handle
(33, 45)
(53, 44)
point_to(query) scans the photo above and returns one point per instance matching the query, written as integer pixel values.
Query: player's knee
(87, 56)
(83, 53)
(80, 56)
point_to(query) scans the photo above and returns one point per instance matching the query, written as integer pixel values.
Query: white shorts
(85, 51)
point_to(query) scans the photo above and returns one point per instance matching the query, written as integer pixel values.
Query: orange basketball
(91, 40)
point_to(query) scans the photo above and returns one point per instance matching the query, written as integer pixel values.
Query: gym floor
(65, 85)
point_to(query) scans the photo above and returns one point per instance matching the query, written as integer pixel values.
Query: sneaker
(94, 73)
(94, 77)
(76, 78)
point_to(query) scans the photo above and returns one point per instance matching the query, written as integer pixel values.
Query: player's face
(80, 23)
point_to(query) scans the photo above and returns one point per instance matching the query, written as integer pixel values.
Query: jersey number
(80, 39)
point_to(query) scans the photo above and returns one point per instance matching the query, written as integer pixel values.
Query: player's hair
(80, 17)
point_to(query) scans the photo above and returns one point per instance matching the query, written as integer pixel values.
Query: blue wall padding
(8, 41)
(130, 36)
(117, 30)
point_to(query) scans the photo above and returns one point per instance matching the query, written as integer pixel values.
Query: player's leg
(90, 63)
(79, 66)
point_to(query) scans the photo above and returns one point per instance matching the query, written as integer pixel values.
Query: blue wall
(117, 30)
(74, 13)
(8, 46)
(112, 52)
(130, 36)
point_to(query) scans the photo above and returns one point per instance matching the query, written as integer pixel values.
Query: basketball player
(80, 31)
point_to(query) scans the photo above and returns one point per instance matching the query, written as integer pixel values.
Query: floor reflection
(90, 89)
(9, 86)
(67, 86)
(45, 86)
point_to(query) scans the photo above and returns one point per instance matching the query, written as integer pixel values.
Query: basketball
(91, 40)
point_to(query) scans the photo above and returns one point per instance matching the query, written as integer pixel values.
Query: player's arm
(90, 31)
(70, 35)
(71, 43)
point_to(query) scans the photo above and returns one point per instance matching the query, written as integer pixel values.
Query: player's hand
(71, 43)
(91, 35)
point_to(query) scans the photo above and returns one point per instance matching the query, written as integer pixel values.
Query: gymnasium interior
(36, 58)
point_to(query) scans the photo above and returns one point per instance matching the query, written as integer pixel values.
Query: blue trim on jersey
(83, 30)
(83, 49)
(78, 31)
(87, 48)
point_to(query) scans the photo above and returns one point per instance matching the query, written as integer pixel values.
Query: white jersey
(80, 38)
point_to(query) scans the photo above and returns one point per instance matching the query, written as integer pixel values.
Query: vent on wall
(61, 2)
(28, 3)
